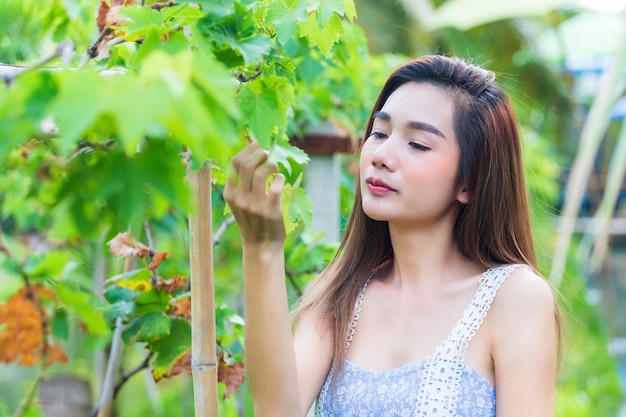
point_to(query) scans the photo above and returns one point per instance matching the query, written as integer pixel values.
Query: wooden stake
(203, 350)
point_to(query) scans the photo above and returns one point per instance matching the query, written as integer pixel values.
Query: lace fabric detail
(440, 386)
(356, 314)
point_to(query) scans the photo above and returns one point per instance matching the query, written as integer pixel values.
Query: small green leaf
(147, 328)
(216, 8)
(350, 9)
(254, 48)
(281, 152)
(59, 324)
(153, 301)
(297, 207)
(47, 265)
(73, 110)
(263, 113)
(182, 15)
(114, 294)
(283, 18)
(122, 302)
(171, 348)
(327, 9)
(86, 305)
(324, 37)
(142, 20)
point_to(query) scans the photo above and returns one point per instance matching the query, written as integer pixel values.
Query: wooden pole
(203, 350)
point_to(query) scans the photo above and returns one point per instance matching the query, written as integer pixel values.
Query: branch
(92, 50)
(222, 229)
(291, 278)
(155, 276)
(162, 5)
(63, 51)
(245, 79)
(293, 283)
(30, 396)
(126, 375)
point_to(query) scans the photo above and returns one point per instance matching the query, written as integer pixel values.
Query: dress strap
(356, 313)
(455, 345)
(439, 386)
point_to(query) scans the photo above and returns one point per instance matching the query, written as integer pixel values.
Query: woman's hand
(256, 206)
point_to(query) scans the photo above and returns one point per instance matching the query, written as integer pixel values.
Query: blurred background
(564, 65)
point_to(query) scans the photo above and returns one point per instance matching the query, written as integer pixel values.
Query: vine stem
(126, 375)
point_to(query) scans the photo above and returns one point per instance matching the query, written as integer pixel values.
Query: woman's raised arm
(270, 357)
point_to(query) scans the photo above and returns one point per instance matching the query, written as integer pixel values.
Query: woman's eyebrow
(411, 124)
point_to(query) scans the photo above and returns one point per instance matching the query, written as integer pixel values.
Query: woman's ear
(462, 196)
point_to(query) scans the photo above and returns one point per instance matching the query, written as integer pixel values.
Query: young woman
(433, 305)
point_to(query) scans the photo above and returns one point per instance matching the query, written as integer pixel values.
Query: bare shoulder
(522, 292)
(524, 335)
(524, 320)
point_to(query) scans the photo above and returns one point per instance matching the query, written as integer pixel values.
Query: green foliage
(586, 387)
(99, 146)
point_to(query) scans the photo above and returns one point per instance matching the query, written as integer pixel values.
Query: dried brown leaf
(122, 2)
(181, 365)
(172, 284)
(101, 15)
(231, 375)
(125, 245)
(182, 307)
(55, 354)
(157, 259)
(21, 337)
(114, 18)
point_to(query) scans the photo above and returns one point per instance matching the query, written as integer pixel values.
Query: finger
(275, 190)
(232, 178)
(259, 181)
(247, 168)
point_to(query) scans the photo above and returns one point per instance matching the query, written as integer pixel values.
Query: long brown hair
(493, 228)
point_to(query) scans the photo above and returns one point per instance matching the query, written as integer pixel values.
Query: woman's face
(409, 163)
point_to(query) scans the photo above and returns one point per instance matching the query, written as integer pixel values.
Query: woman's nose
(384, 155)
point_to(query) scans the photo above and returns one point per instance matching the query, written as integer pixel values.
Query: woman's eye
(419, 146)
(378, 135)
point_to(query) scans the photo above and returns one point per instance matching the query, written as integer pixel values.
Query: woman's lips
(376, 186)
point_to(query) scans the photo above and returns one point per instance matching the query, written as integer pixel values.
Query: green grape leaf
(326, 9)
(324, 37)
(350, 9)
(147, 327)
(153, 300)
(86, 305)
(182, 15)
(77, 105)
(230, 331)
(216, 8)
(141, 21)
(122, 301)
(114, 294)
(264, 112)
(254, 48)
(283, 18)
(297, 207)
(171, 348)
(281, 152)
(285, 68)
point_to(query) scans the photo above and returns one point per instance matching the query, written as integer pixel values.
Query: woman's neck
(428, 256)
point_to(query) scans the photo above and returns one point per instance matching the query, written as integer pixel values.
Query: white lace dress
(439, 386)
